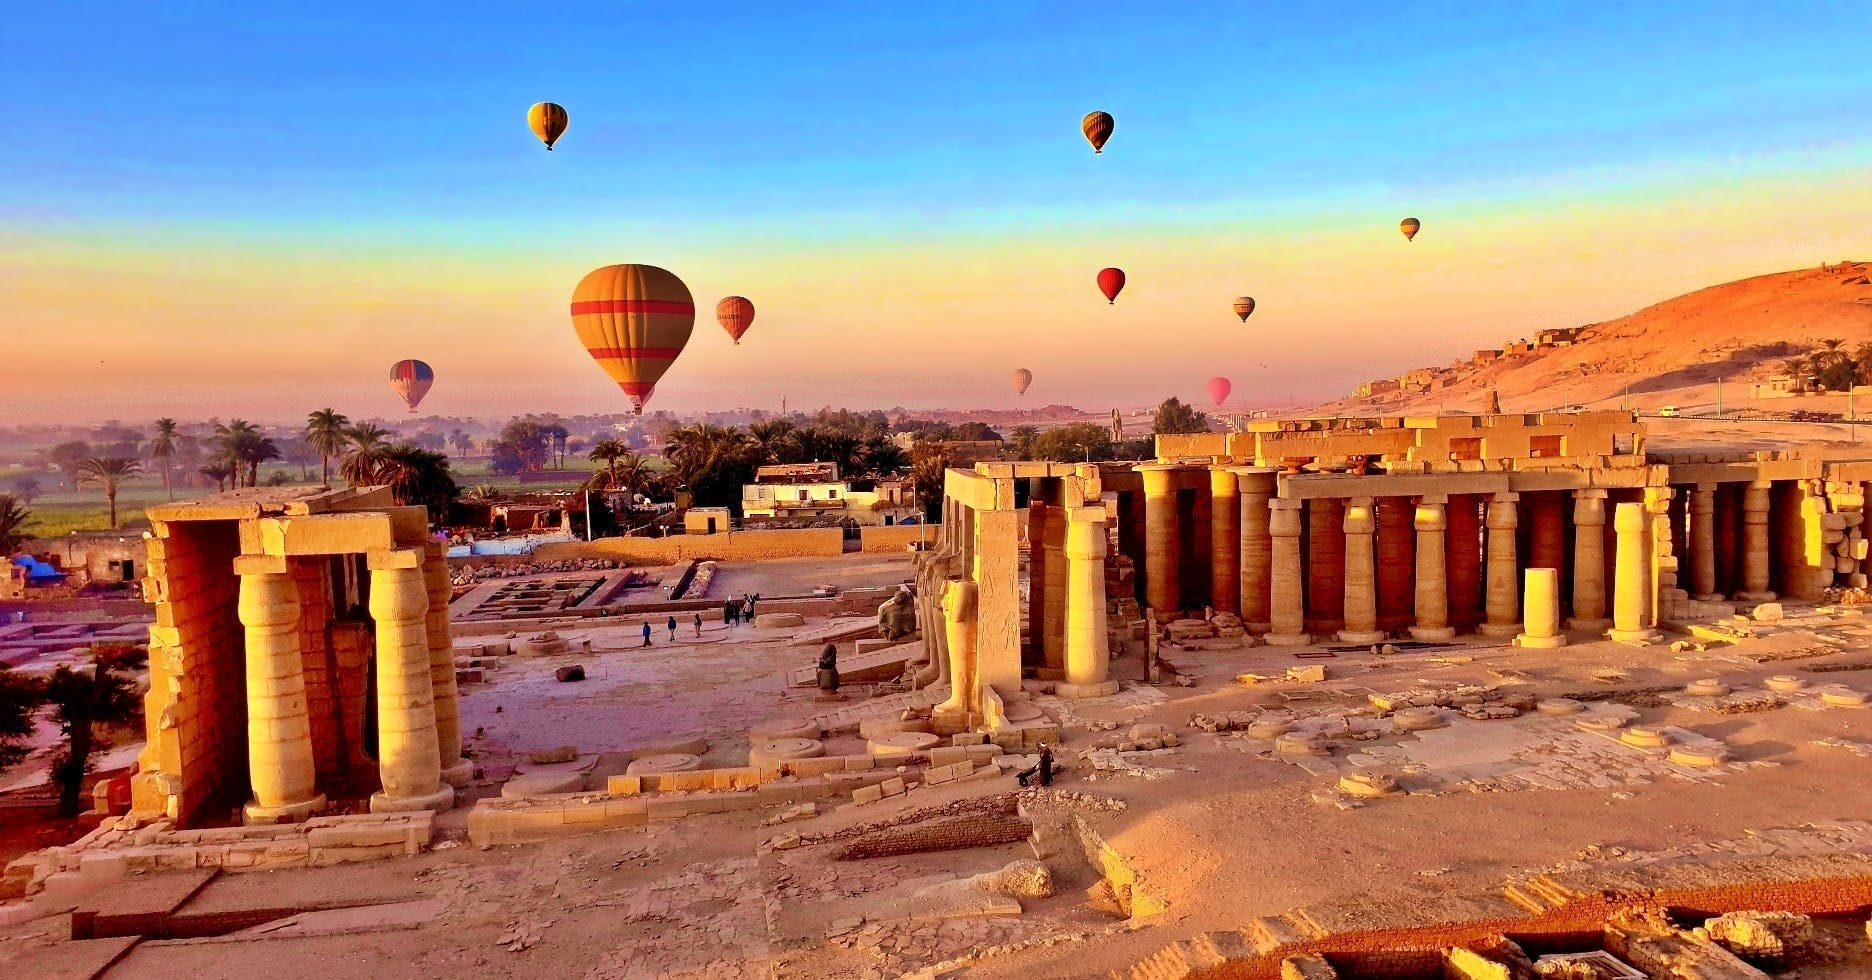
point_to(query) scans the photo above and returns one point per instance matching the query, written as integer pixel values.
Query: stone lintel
(327, 534)
(1312, 486)
(393, 558)
(261, 565)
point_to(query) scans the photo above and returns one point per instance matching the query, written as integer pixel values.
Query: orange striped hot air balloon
(411, 380)
(1244, 307)
(736, 315)
(1022, 378)
(548, 121)
(634, 320)
(1111, 283)
(1097, 127)
(1410, 227)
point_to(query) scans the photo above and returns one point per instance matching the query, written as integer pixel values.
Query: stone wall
(897, 538)
(822, 542)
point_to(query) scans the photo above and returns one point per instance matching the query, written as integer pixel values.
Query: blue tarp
(38, 572)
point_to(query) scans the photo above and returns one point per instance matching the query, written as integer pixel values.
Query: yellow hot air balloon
(1022, 378)
(1409, 227)
(634, 320)
(548, 120)
(1244, 307)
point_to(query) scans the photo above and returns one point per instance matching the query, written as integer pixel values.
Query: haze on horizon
(255, 211)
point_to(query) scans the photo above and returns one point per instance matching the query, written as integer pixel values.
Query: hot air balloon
(548, 120)
(1097, 127)
(1244, 307)
(736, 315)
(1219, 389)
(1111, 283)
(634, 320)
(1409, 227)
(1022, 378)
(411, 380)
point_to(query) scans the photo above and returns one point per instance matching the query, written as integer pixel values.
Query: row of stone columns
(417, 714)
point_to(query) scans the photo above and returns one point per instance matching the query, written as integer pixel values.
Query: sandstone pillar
(1088, 651)
(1630, 571)
(1755, 543)
(456, 771)
(1541, 610)
(1224, 540)
(408, 758)
(958, 608)
(279, 735)
(1257, 547)
(1361, 582)
(1703, 543)
(1503, 594)
(1287, 599)
(1432, 522)
(1162, 591)
(1589, 577)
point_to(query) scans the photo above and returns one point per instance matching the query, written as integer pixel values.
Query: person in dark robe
(1042, 768)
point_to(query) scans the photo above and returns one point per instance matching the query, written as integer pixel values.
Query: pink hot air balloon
(1219, 389)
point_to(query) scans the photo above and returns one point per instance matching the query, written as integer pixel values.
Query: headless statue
(958, 605)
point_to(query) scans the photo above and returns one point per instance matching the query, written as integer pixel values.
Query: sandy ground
(799, 576)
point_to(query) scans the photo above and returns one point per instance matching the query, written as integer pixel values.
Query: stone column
(1503, 589)
(1629, 599)
(408, 758)
(279, 735)
(1432, 523)
(1088, 651)
(1589, 562)
(1224, 540)
(456, 771)
(1541, 611)
(1755, 543)
(1257, 547)
(1361, 583)
(1703, 543)
(1287, 606)
(1162, 591)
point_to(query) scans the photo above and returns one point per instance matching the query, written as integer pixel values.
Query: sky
(233, 210)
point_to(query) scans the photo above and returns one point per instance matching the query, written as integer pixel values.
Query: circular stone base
(542, 784)
(773, 751)
(460, 774)
(1433, 634)
(1361, 636)
(902, 743)
(1785, 683)
(1367, 784)
(1288, 639)
(784, 728)
(1588, 625)
(1257, 628)
(871, 728)
(777, 621)
(1646, 737)
(1705, 758)
(441, 799)
(1294, 743)
(1754, 597)
(1556, 707)
(654, 765)
(1601, 722)
(1708, 597)
(1418, 719)
(1023, 711)
(253, 814)
(1499, 631)
(1528, 642)
(1099, 689)
(1634, 636)
(1269, 728)
(1843, 697)
(1708, 687)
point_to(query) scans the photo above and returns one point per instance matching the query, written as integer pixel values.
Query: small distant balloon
(411, 380)
(1219, 389)
(1244, 307)
(1022, 378)
(1409, 227)
(736, 314)
(1111, 282)
(1097, 127)
(548, 120)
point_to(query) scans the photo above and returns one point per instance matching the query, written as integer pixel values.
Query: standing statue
(896, 617)
(958, 606)
(828, 671)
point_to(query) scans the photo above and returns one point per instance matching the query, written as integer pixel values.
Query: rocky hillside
(1668, 354)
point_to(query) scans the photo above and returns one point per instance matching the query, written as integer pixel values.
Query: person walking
(747, 610)
(672, 629)
(698, 624)
(730, 613)
(646, 632)
(1042, 768)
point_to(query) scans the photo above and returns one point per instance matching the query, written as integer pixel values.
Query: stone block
(968, 738)
(867, 794)
(624, 785)
(356, 836)
(694, 779)
(672, 808)
(892, 787)
(815, 767)
(322, 857)
(947, 756)
(984, 752)
(744, 777)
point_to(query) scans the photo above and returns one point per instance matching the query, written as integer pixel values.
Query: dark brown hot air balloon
(1097, 127)
(1244, 307)
(736, 314)
(1409, 226)
(1111, 283)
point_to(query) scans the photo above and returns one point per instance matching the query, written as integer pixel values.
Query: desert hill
(1671, 353)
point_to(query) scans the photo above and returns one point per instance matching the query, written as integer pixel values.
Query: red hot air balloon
(1111, 283)
(1219, 389)
(411, 380)
(736, 315)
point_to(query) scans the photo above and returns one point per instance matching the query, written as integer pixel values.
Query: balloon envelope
(411, 380)
(634, 320)
(548, 120)
(736, 315)
(1022, 378)
(1219, 389)
(1111, 283)
(1409, 227)
(1097, 127)
(1244, 306)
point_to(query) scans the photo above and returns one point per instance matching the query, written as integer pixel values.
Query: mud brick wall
(971, 831)
(727, 546)
(873, 540)
(195, 712)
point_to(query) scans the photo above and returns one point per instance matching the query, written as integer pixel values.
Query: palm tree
(13, 520)
(243, 445)
(368, 443)
(417, 476)
(772, 439)
(608, 452)
(460, 442)
(556, 436)
(163, 449)
(482, 493)
(882, 456)
(217, 471)
(711, 461)
(325, 432)
(107, 473)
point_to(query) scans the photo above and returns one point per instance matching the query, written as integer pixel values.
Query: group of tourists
(735, 612)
